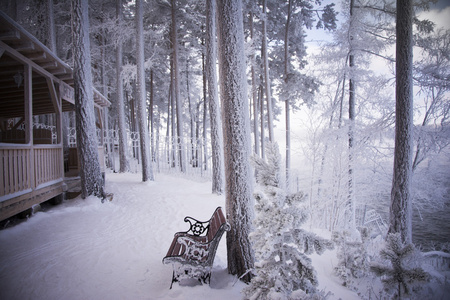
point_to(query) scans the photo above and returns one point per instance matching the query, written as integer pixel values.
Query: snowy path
(83, 249)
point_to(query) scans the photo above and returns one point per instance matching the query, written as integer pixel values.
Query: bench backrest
(216, 221)
(203, 236)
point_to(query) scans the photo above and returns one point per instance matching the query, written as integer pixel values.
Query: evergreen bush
(404, 272)
(283, 269)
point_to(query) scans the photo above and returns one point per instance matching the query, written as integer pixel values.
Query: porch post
(55, 97)
(59, 129)
(28, 93)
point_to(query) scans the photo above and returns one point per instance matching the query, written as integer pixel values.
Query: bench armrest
(196, 227)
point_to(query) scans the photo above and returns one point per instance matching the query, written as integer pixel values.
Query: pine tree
(236, 128)
(90, 173)
(401, 275)
(120, 101)
(283, 269)
(401, 198)
(176, 82)
(267, 87)
(214, 110)
(141, 95)
(353, 257)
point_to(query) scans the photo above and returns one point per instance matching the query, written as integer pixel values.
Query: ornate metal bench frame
(192, 252)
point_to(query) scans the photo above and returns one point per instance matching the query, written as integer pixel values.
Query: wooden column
(28, 99)
(55, 97)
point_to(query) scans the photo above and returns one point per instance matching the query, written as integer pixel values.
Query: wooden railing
(19, 173)
(14, 170)
(47, 164)
(101, 158)
(438, 259)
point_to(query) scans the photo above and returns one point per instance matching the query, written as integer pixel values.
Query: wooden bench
(192, 252)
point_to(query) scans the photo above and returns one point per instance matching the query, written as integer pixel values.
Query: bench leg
(174, 279)
(206, 278)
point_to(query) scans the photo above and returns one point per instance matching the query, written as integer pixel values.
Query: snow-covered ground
(83, 249)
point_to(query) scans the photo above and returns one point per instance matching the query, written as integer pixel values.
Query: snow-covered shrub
(404, 272)
(354, 261)
(282, 268)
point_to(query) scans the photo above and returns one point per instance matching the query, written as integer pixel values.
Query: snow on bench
(192, 252)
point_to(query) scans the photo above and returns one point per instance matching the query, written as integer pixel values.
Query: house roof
(19, 48)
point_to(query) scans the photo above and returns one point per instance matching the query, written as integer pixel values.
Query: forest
(304, 92)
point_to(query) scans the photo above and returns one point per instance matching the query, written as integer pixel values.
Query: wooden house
(36, 88)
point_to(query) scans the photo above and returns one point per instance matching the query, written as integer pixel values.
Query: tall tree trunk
(176, 76)
(157, 150)
(197, 157)
(401, 200)
(173, 122)
(120, 101)
(51, 27)
(351, 116)
(287, 104)
(205, 110)
(151, 118)
(90, 173)
(254, 91)
(132, 119)
(192, 119)
(263, 138)
(169, 113)
(236, 124)
(214, 110)
(265, 53)
(147, 172)
(105, 135)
